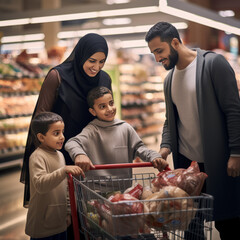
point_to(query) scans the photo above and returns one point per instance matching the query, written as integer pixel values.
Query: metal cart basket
(165, 218)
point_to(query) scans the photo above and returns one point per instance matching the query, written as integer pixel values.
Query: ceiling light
(110, 2)
(77, 34)
(78, 16)
(27, 45)
(105, 31)
(128, 11)
(116, 21)
(226, 13)
(133, 43)
(23, 38)
(199, 15)
(141, 50)
(114, 31)
(64, 17)
(14, 22)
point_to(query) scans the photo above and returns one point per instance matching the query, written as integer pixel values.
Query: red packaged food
(126, 208)
(135, 191)
(190, 180)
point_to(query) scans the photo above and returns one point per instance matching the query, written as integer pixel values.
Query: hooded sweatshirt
(108, 143)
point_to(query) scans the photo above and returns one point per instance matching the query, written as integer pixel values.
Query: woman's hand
(83, 162)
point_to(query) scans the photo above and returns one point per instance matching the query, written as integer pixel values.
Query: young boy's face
(54, 138)
(104, 108)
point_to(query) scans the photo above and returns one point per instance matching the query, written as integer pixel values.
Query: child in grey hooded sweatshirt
(107, 140)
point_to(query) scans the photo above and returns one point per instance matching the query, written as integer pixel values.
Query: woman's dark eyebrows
(96, 59)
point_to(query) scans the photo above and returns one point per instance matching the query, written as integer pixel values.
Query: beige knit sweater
(48, 200)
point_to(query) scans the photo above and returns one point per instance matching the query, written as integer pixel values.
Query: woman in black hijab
(64, 92)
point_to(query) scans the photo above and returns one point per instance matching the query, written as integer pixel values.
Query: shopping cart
(165, 218)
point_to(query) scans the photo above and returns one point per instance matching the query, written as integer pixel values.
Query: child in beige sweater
(47, 216)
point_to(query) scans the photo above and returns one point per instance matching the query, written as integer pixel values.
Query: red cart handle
(124, 165)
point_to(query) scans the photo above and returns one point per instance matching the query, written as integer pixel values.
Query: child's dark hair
(96, 93)
(42, 121)
(166, 31)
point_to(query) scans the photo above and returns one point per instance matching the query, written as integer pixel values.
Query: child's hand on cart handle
(160, 164)
(83, 162)
(74, 170)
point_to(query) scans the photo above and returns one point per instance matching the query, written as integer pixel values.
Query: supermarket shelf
(16, 94)
(12, 163)
(15, 116)
(140, 103)
(11, 156)
(12, 131)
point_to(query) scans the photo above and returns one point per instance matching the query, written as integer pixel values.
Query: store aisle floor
(13, 215)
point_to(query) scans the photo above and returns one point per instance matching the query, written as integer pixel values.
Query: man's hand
(160, 164)
(233, 167)
(164, 152)
(74, 170)
(83, 162)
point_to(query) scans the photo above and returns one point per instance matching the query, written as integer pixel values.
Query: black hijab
(75, 83)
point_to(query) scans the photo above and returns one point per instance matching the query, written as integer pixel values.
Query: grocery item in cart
(122, 218)
(190, 180)
(170, 208)
(136, 190)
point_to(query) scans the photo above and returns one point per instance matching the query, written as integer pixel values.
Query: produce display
(14, 132)
(13, 140)
(17, 105)
(14, 123)
(20, 83)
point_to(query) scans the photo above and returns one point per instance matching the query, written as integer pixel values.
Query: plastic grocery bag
(171, 208)
(191, 180)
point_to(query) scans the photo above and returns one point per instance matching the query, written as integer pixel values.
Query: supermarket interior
(38, 35)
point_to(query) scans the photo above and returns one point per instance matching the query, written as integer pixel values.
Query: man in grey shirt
(202, 119)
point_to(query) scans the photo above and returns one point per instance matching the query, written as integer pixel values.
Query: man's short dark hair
(96, 93)
(166, 31)
(42, 121)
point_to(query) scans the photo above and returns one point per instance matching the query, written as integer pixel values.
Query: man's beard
(173, 59)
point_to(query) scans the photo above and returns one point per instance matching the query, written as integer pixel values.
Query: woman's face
(94, 64)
